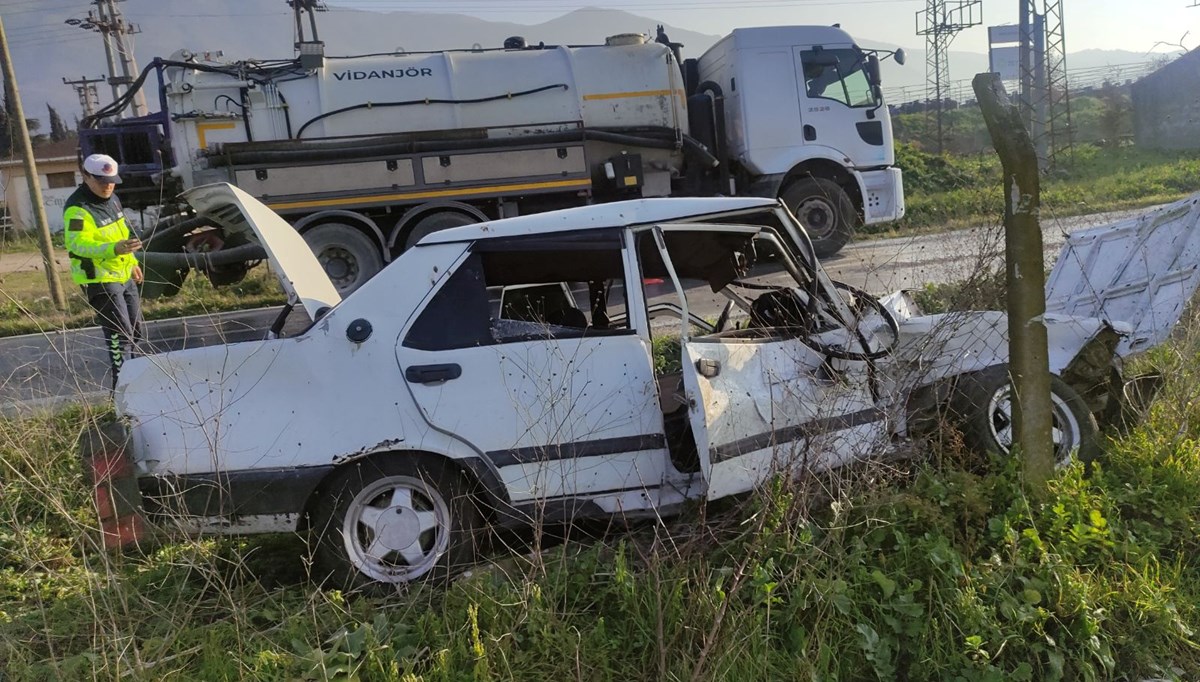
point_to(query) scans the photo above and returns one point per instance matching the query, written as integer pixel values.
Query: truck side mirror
(873, 69)
(899, 56)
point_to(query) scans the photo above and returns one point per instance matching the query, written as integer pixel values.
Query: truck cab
(806, 123)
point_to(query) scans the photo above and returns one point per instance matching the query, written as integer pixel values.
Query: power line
(112, 26)
(655, 6)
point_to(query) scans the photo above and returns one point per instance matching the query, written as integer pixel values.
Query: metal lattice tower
(1045, 97)
(1058, 92)
(940, 22)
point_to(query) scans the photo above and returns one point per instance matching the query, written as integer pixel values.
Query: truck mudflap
(108, 469)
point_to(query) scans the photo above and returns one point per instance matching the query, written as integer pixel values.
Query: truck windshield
(838, 74)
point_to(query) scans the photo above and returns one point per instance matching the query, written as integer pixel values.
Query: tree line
(58, 130)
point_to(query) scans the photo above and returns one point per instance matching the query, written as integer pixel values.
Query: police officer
(102, 261)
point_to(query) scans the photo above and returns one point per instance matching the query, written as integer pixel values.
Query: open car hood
(291, 259)
(1141, 271)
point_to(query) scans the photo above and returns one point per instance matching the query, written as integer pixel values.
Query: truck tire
(982, 404)
(825, 210)
(348, 256)
(436, 222)
(384, 522)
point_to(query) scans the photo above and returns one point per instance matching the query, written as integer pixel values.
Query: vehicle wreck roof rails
(370, 426)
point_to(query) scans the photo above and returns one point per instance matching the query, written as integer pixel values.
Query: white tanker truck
(365, 155)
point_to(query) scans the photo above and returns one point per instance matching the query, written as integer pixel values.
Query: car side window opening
(567, 285)
(730, 290)
(837, 74)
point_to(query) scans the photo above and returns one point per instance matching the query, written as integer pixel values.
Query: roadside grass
(26, 308)
(936, 567)
(13, 241)
(958, 191)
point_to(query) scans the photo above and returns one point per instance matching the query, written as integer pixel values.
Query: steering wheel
(863, 307)
(789, 307)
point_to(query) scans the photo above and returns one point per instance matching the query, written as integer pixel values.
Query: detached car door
(560, 400)
(763, 399)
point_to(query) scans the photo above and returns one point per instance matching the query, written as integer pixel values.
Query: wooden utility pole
(31, 176)
(1029, 357)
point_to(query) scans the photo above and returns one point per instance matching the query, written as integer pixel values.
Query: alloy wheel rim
(396, 529)
(1064, 431)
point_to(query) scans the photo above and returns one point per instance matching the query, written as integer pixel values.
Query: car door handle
(810, 133)
(432, 374)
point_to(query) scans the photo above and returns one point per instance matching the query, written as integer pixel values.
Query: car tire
(436, 222)
(825, 211)
(383, 523)
(348, 256)
(983, 407)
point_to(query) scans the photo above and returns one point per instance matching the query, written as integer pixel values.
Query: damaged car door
(788, 386)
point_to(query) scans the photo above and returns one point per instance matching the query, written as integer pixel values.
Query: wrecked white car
(507, 371)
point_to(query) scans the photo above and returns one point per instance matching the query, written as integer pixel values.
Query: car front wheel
(384, 523)
(984, 406)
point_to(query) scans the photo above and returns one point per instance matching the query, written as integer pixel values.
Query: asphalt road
(43, 370)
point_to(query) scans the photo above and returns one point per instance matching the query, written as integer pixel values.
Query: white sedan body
(549, 417)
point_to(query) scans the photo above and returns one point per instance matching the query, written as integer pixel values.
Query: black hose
(287, 116)
(268, 154)
(124, 100)
(413, 102)
(169, 230)
(161, 260)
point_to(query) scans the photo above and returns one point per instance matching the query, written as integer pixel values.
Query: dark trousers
(119, 313)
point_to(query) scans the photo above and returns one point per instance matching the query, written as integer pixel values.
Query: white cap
(103, 167)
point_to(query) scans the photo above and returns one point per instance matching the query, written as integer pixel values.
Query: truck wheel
(348, 256)
(386, 522)
(435, 222)
(983, 405)
(825, 211)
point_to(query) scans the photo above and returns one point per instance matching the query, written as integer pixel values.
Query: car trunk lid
(299, 272)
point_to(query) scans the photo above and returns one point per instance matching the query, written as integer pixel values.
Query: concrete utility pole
(108, 23)
(31, 176)
(1029, 357)
(85, 88)
(125, 51)
(100, 24)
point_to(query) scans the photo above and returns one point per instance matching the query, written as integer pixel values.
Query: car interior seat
(567, 317)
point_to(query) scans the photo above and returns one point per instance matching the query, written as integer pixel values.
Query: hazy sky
(1105, 24)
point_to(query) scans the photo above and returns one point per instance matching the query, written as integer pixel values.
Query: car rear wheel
(983, 403)
(386, 522)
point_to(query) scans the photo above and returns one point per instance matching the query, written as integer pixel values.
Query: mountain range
(45, 49)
